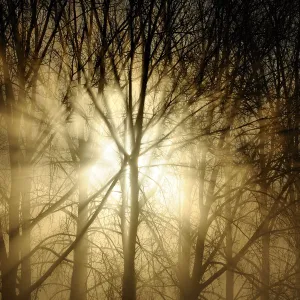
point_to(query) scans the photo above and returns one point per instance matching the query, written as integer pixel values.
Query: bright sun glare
(108, 158)
(151, 169)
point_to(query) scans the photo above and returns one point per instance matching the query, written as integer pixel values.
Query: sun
(152, 162)
(106, 165)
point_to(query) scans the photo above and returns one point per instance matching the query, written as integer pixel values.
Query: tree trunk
(229, 243)
(10, 266)
(26, 240)
(185, 239)
(229, 215)
(265, 276)
(198, 271)
(297, 241)
(297, 269)
(263, 203)
(79, 276)
(129, 277)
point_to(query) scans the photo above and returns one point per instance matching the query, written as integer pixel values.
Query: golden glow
(106, 165)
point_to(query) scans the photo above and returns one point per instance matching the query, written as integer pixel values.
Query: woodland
(149, 149)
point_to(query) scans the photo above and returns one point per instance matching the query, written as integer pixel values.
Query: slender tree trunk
(265, 255)
(25, 239)
(296, 221)
(10, 266)
(265, 276)
(198, 270)
(297, 269)
(79, 276)
(229, 219)
(229, 244)
(185, 239)
(129, 277)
